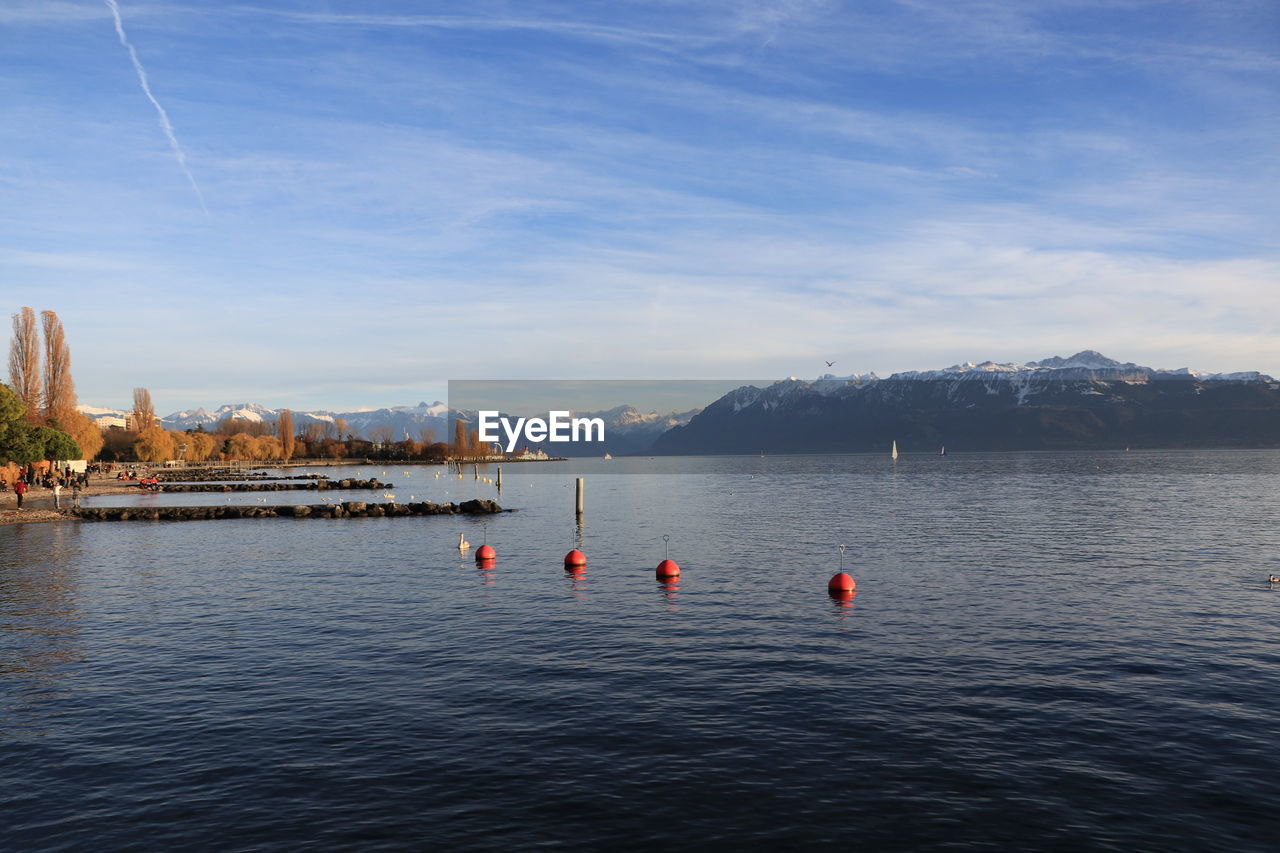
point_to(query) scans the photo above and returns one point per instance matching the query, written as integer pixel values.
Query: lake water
(1046, 651)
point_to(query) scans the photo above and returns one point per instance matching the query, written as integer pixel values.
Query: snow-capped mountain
(1084, 365)
(405, 421)
(626, 429)
(1085, 400)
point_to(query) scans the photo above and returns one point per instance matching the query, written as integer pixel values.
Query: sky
(332, 204)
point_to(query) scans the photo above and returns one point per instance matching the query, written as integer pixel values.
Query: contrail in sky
(164, 117)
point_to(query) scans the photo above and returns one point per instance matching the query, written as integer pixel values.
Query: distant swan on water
(463, 544)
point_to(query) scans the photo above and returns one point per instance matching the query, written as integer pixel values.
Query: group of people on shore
(53, 478)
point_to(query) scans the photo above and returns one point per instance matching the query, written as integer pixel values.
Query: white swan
(463, 544)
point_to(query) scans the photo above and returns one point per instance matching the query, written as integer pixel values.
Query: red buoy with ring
(667, 568)
(840, 581)
(485, 553)
(574, 559)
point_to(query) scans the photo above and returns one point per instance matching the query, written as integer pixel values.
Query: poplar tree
(59, 390)
(284, 429)
(24, 362)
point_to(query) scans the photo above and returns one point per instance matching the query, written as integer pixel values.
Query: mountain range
(405, 421)
(627, 430)
(1086, 400)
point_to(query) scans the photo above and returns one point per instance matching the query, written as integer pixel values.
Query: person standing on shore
(57, 494)
(20, 489)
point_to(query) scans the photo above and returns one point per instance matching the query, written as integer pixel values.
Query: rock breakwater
(318, 485)
(348, 509)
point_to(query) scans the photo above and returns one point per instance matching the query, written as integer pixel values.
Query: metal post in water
(499, 484)
(579, 496)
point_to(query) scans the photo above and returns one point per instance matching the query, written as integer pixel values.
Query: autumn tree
(240, 446)
(200, 446)
(117, 443)
(266, 447)
(144, 413)
(459, 437)
(284, 430)
(340, 426)
(59, 390)
(154, 444)
(60, 408)
(382, 434)
(24, 362)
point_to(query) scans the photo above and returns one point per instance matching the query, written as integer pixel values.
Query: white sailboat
(608, 456)
(893, 454)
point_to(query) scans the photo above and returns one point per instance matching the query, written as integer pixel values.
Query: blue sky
(402, 193)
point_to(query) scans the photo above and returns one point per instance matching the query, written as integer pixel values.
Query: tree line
(40, 421)
(234, 439)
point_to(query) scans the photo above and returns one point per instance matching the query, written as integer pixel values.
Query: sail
(894, 453)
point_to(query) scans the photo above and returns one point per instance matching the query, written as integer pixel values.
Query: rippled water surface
(1046, 651)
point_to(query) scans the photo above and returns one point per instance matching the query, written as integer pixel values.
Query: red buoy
(485, 552)
(575, 558)
(841, 582)
(668, 569)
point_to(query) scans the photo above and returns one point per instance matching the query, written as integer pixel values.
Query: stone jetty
(348, 509)
(203, 476)
(318, 485)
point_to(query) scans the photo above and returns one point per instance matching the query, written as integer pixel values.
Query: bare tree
(284, 429)
(24, 362)
(59, 390)
(382, 434)
(144, 413)
(459, 438)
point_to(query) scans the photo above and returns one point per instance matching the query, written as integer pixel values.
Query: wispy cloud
(715, 187)
(165, 124)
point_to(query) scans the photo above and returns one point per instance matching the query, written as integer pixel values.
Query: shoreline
(38, 506)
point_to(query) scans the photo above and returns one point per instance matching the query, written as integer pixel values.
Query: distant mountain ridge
(627, 430)
(406, 421)
(1085, 400)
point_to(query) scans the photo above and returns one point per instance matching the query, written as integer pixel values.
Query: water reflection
(485, 570)
(577, 576)
(670, 588)
(40, 619)
(842, 601)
